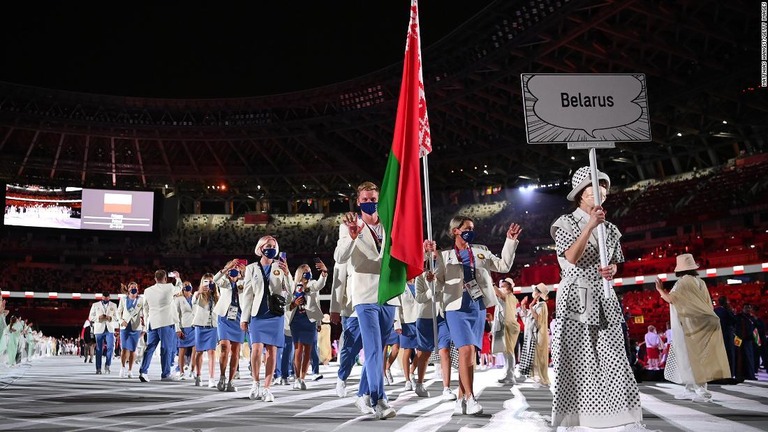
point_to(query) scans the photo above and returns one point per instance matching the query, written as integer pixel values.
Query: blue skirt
(188, 339)
(205, 339)
(229, 330)
(268, 329)
(425, 335)
(303, 330)
(392, 338)
(408, 336)
(466, 325)
(129, 338)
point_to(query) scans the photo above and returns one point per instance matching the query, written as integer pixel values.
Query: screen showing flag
(117, 210)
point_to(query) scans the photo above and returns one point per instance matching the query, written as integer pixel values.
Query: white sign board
(563, 108)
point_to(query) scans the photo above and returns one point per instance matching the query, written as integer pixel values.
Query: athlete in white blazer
(103, 316)
(360, 245)
(266, 277)
(425, 335)
(342, 312)
(304, 318)
(205, 322)
(405, 326)
(187, 339)
(463, 275)
(162, 324)
(129, 314)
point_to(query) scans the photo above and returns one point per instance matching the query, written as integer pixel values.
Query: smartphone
(317, 260)
(282, 256)
(242, 262)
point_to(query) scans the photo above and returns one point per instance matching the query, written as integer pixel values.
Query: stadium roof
(701, 59)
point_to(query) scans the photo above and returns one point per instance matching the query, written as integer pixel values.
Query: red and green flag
(400, 201)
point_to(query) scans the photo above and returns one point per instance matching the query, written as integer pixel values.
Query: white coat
(202, 314)
(312, 304)
(364, 263)
(98, 309)
(184, 311)
(279, 283)
(159, 305)
(132, 316)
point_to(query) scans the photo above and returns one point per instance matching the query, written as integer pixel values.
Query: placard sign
(565, 108)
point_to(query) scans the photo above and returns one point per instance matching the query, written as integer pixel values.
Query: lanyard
(234, 301)
(469, 268)
(375, 236)
(265, 273)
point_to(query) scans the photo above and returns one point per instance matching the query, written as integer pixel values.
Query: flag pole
(430, 260)
(601, 227)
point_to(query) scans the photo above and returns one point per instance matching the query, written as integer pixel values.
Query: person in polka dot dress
(594, 386)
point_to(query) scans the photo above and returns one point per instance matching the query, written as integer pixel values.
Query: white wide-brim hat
(541, 288)
(583, 178)
(685, 262)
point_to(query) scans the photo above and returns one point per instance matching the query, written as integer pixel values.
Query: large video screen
(76, 208)
(117, 210)
(38, 206)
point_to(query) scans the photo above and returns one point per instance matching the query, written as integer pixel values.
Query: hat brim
(686, 268)
(587, 182)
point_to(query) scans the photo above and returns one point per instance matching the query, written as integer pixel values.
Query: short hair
(105, 294)
(367, 186)
(160, 275)
(651, 328)
(456, 222)
(693, 272)
(262, 241)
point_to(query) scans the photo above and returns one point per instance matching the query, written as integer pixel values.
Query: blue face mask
(187, 288)
(307, 275)
(468, 236)
(134, 291)
(234, 273)
(105, 301)
(270, 253)
(368, 208)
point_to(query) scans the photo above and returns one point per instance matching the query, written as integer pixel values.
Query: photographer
(231, 336)
(304, 317)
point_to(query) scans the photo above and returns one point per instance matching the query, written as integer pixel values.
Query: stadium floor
(62, 393)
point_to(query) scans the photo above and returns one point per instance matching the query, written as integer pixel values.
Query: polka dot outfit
(594, 385)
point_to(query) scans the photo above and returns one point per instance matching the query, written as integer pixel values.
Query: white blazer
(424, 299)
(98, 309)
(449, 273)
(184, 310)
(408, 310)
(341, 298)
(159, 305)
(279, 283)
(312, 303)
(132, 316)
(203, 315)
(225, 293)
(364, 263)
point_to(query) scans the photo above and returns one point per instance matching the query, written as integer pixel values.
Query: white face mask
(588, 197)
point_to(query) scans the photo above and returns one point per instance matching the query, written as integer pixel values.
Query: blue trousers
(166, 337)
(110, 338)
(285, 355)
(351, 344)
(376, 323)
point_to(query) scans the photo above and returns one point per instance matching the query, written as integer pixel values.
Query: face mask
(468, 236)
(234, 273)
(105, 301)
(307, 275)
(368, 208)
(187, 288)
(134, 291)
(270, 253)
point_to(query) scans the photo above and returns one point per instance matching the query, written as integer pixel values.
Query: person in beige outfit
(508, 328)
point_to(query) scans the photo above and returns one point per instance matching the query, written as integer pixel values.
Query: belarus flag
(117, 203)
(400, 201)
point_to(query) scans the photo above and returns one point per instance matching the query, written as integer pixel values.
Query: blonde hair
(456, 222)
(367, 186)
(204, 295)
(298, 275)
(262, 241)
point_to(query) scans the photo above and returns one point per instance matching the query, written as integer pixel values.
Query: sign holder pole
(607, 286)
(430, 259)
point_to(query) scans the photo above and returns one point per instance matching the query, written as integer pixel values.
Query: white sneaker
(122, 372)
(508, 380)
(363, 403)
(388, 379)
(255, 392)
(297, 385)
(143, 377)
(130, 374)
(172, 377)
(472, 407)
(702, 392)
(460, 407)
(197, 381)
(686, 394)
(448, 395)
(383, 411)
(302, 384)
(231, 387)
(267, 396)
(408, 386)
(211, 383)
(420, 390)
(341, 388)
